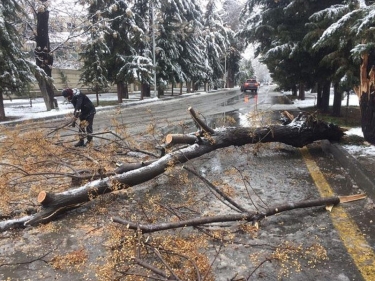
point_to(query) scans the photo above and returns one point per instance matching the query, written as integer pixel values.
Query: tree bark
(2, 108)
(337, 98)
(319, 95)
(325, 96)
(121, 92)
(367, 106)
(189, 86)
(44, 58)
(298, 133)
(301, 91)
(366, 95)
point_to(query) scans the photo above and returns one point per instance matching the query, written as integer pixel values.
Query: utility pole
(153, 46)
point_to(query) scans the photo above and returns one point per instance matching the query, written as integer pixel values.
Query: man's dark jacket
(82, 103)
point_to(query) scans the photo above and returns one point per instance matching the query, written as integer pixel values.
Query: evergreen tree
(333, 54)
(217, 43)
(232, 59)
(171, 25)
(230, 16)
(95, 51)
(15, 71)
(359, 23)
(192, 46)
(279, 30)
(118, 37)
(142, 62)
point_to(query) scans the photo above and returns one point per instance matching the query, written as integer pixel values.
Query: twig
(27, 262)
(166, 264)
(61, 127)
(213, 261)
(259, 265)
(238, 207)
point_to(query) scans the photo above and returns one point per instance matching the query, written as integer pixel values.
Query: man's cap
(67, 92)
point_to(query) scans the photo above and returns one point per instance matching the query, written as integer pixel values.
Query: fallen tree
(302, 130)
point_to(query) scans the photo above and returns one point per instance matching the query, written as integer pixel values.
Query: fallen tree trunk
(298, 133)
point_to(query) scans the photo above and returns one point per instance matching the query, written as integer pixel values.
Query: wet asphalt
(279, 175)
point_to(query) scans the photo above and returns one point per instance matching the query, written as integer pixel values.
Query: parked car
(250, 84)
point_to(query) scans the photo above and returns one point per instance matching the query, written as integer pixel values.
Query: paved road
(348, 233)
(335, 246)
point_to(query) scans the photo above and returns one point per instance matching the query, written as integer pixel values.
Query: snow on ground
(352, 100)
(35, 108)
(26, 109)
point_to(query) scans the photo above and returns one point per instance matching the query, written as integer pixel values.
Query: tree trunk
(2, 109)
(44, 58)
(336, 109)
(294, 91)
(319, 95)
(301, 91)
(300, 132)
(367, 105)
(125, 93)
(97, 96)
(146, 90)
(365, 93)
(325, 96)
(43, 89)
(189, 86)
(230, 78)
(120, 91)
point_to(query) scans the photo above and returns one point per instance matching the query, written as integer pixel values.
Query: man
(84, 110)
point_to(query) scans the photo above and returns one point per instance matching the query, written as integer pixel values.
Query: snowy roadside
(361, 150)
(26, 109)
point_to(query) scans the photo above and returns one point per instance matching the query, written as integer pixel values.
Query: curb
(352, 166)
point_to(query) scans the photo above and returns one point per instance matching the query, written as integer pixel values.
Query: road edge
(352, 166)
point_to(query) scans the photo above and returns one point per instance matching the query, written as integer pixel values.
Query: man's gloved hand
(74, 122)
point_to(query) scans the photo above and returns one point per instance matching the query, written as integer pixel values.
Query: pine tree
(142, 62)
(95, 51)
(15, 71)
(192, 58)
(216, 39)
(279, 30)
(170, 25)
(333, 53)
(230, 16)
(118, 37)
(359, 23)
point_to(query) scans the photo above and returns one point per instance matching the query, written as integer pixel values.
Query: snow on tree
(216, 39)
(120, 31)
(95, 51)
(15, 71)
(192, 58)
(171, 26)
